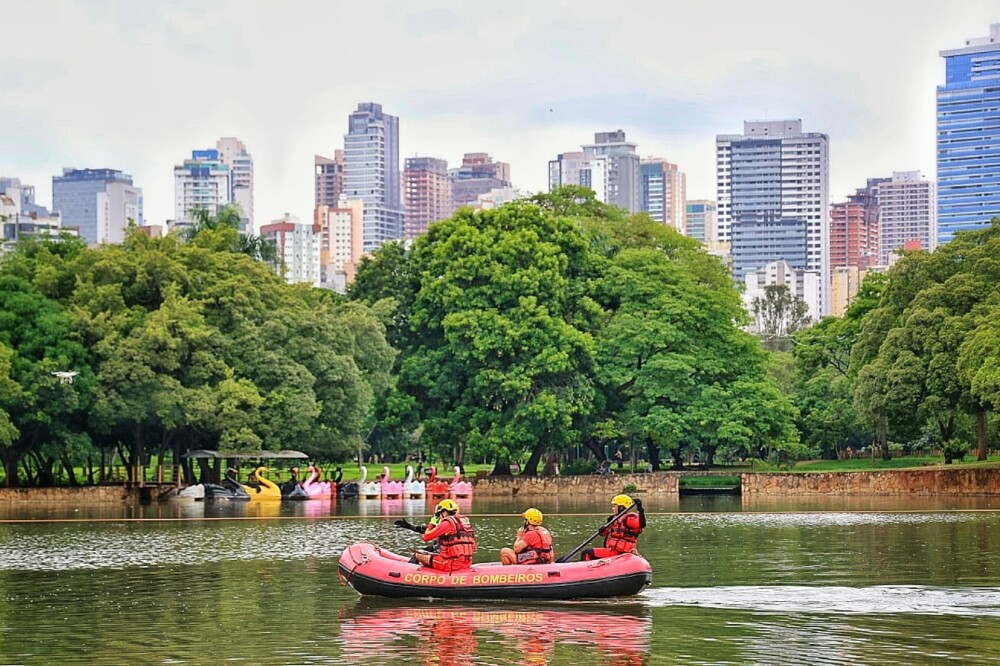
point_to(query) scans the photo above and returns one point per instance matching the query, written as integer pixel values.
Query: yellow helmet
(446, 505)
(533, 516)
(624, 501)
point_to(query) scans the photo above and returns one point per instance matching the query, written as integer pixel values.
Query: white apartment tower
(200, 182)
(298, 249)
(907, 210)
(777, 170)
(578, 168)
(234, 155)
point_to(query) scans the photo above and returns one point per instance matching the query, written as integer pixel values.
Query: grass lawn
(710, 481)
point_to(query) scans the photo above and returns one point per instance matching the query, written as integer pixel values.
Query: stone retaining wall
(83, 495)
(966, 481)
(593, 484)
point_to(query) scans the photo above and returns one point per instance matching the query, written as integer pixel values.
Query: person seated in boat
(533, 543)
(293, 481)
(454, 534)
(622, 534)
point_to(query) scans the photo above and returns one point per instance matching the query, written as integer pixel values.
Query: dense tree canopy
(179, 344)
(560, 321)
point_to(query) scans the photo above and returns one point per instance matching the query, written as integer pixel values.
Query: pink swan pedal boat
(436, 488)
(390, 489)
(375, 571)
(459, 488)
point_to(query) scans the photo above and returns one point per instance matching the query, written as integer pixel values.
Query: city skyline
(196, 73)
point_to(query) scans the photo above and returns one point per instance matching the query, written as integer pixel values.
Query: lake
(819, 581)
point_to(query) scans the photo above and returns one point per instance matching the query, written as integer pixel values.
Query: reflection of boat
(620, 634)
(261, 488)
(459, 488)
(436, 488)
(413, 489)
(369, 490)
(375, 571)
(390, 489)
(229, 490)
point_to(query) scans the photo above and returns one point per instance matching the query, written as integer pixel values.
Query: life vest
(541, 554)
(623, 534)
(460, 543)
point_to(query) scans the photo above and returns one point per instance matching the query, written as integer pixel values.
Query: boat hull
(377, 572)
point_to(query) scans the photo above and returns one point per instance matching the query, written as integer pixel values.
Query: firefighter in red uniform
(621, 536)
(454, 534)
(533, 543)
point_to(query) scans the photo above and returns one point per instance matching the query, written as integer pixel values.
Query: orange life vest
(623, 534)
(541, 554)
(461, 542)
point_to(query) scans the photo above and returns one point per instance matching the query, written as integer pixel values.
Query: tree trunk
(70, 471)
(551, 464)
(596, 448)
(653, 454)
(501, 469)
(883, 441)
(10, 468)
(531, 467)
(678, 458)
(981, 434)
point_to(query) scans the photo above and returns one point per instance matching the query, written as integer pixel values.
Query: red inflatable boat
(375, 571)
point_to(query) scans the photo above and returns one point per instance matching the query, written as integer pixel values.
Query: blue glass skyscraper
(968, 136)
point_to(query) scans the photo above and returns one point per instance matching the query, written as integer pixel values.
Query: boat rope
(350, 575)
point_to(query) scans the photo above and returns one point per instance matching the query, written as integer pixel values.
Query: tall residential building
(200, 182)
(623, 168)
(371, 172)
(701, 221)
(760, 238)
(99, 203)
(908, 212)
(775, 168)
(853, 235)
(341, 234)
(298, 249)
(580, 169)
(21, 217)
(968, 136)
(329, 178)
(478, 174)
(234, 155)
(663, 193)
(425, 193)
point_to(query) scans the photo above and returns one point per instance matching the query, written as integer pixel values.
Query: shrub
(954, 448)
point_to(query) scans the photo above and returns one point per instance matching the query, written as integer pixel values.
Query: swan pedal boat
(375, 571)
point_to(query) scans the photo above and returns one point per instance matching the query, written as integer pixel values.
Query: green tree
(777, 315)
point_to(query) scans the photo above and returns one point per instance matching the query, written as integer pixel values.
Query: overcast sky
(137, 85)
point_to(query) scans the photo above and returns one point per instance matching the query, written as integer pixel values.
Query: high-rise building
(234, 155)
(425, 193)
(701, 222)
(201, 182)
(478, 174)
(371, 172)
(580, 169)
(908, 213)
(801, 284)
(760, 238)
(329, 178)
(623, 168)
(99, 203)
(21, 217)
(341, 235)
(774, 168)
(298, 249)
(663, 193)
(968, 136)
(853, 236)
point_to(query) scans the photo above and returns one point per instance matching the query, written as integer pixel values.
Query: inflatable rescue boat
(375, 571)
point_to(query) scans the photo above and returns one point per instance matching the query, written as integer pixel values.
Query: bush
(954, 448)
(630, 488)
(581, 466)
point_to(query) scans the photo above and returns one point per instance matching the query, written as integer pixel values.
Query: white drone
(65, 377)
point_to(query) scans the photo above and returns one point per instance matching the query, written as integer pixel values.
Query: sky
(136, 86)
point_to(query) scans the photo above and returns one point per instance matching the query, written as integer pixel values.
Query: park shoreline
(937, 481)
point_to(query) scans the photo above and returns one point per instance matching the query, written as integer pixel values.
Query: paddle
(570, 555)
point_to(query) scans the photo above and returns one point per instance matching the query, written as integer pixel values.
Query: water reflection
(462, 633)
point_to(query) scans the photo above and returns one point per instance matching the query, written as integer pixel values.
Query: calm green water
(867, 582)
